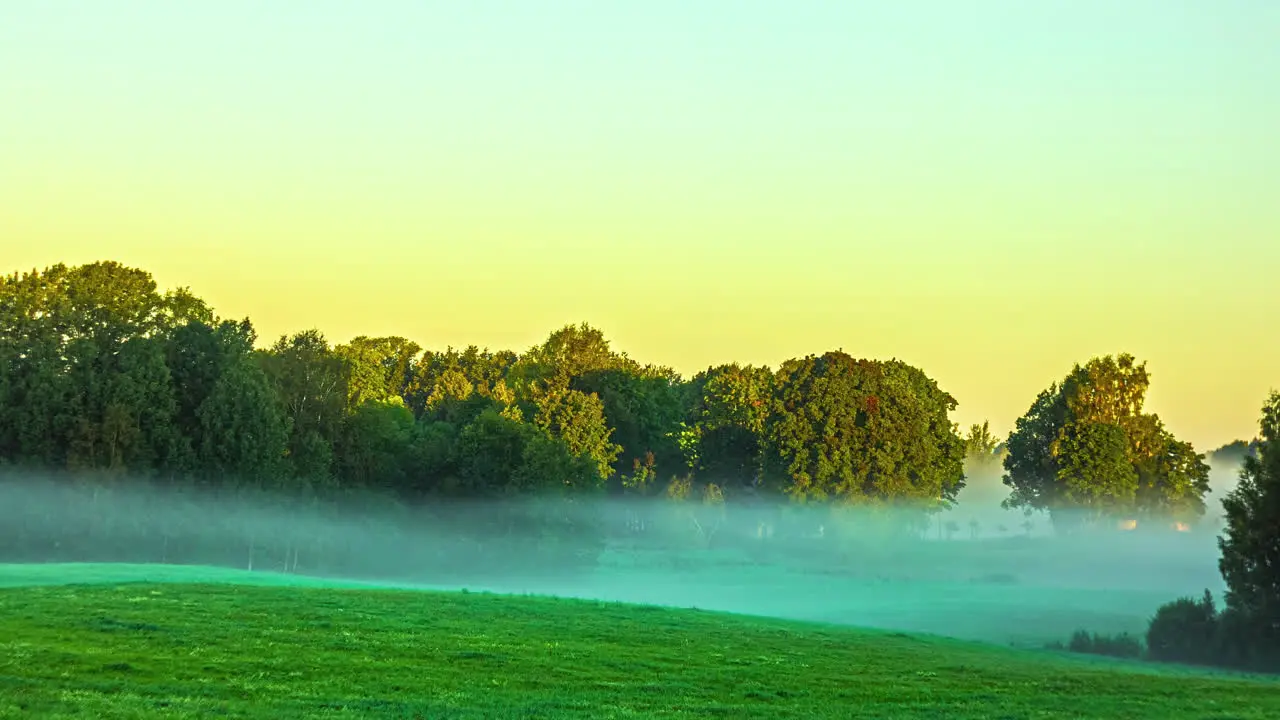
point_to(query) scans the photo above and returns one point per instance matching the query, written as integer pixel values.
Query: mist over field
(975, 571)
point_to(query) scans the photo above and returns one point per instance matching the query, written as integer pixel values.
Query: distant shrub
(1123, 645)
(1186, 631)
(996, 579)
(1081, 642)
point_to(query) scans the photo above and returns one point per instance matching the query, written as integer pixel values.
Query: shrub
(1186, 631)
(1241, 643)
(1123, 645)
(1081, 642)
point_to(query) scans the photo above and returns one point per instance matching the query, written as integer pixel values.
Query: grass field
(155, 641)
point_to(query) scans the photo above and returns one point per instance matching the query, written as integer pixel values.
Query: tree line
(104, 375)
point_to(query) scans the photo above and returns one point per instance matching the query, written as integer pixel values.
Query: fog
(976, 571)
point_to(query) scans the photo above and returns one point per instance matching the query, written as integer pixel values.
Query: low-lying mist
(976, 571)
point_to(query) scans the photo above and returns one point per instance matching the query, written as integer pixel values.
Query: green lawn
(163, 645)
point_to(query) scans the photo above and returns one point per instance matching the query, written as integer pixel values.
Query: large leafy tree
(858, 430)
(310, 381)
(568, 353)
(456, 386)
(1250, 543)
(1086, 450)
(577, 419)
(378, 369)
(87, 386)
(376, 447)
(644, 407)
(728, 413)
(127, 423)
(490, 452)
(1094, 468)
(243, 429)
(1172, 480)
(197, 355)
(640, 405)
(498, 455)
(546, 382)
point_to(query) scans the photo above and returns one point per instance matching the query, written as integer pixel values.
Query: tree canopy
(1086, 450)
(860, 430)
(105, 373)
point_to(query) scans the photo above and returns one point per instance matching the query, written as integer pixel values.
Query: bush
(1185, 631)
(1123, 645)
(1242, 643)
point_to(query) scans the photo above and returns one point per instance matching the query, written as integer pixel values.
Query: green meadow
(136, 641)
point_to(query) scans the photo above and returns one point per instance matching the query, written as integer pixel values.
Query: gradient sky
(991, 190)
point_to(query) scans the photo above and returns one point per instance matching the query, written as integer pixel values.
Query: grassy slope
(175, 649)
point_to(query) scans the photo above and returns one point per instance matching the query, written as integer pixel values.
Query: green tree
(548, 465)
(491, 451)
(310, 381)
(433, 460)
(1173, 480)
(1086, 450)
(1095, 470)
(1184, 630)
(457, 386)
(244, 432)
(87, 386)
(728, 416)
(377, 445)
(578, 420)
(105, 302)
(570, 352)
(1250, 543)
(858, 430)
(643, 406)
(197, 354)
(378, 369)
(981, 446)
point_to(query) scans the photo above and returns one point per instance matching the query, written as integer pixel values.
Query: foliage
(577, 419)
(243, 431)
(642, 406)
(1085, 450)
(105, 374)
(729, 410)
(1123, 645)
(378, 369)
(311, 383)
(570, 352)
(86, 385)
(1246, 633)
(1250, 544)
(982, 446)
(1235, 451)
(1185, 631)
(858, 430)
(376, 444)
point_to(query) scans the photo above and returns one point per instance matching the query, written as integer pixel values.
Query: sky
(991, 190)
